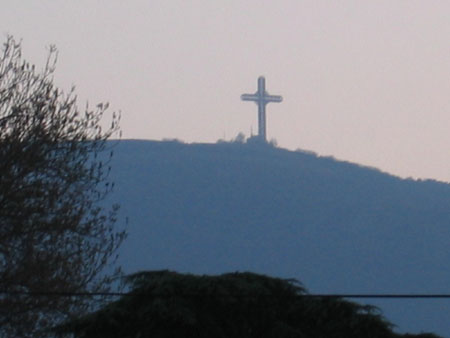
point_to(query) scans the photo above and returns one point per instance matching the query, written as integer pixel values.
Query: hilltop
(336, 226)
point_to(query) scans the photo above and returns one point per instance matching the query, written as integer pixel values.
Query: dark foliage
(54, 236)
(235, 305)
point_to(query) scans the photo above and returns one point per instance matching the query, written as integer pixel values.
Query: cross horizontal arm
(273, 98)
(264, 99)
(249, 97)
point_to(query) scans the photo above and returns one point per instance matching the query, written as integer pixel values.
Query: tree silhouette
(245, 305)
(54, 235)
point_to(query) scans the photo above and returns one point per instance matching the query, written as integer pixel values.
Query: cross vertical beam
(261, 98)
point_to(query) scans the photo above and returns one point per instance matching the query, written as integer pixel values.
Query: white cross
(261, 98)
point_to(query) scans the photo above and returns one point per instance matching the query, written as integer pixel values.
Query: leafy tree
(54, 234)
(245, 305)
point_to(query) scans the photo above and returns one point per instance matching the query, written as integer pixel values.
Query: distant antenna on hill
(261, 98)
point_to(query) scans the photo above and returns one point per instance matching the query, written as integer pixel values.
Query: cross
(261, 98)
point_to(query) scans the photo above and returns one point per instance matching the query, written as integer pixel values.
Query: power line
(385, 295)
(122, 294)
(63, 294)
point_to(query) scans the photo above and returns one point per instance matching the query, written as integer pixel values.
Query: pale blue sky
(363, 81)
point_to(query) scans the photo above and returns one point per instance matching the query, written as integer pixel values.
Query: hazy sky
(363, 81)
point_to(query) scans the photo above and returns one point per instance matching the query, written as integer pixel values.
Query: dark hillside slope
(336, 226)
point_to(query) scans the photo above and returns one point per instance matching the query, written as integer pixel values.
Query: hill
(335, 226)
